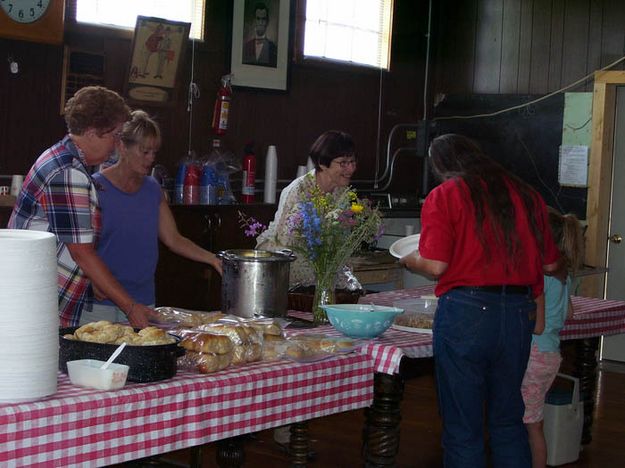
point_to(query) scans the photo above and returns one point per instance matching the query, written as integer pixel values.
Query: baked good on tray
(415, 320)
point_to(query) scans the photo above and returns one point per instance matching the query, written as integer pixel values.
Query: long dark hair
(458, 157)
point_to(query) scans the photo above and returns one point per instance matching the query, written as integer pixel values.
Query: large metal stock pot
(255, 283)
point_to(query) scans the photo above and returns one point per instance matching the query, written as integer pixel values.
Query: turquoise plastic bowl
(361, 320)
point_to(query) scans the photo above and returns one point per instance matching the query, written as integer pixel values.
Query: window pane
(339, 43)
(123, 13)
(315, 37)
(349, 30)
(366, 48)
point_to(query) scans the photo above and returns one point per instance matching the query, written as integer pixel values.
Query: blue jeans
(481, 347)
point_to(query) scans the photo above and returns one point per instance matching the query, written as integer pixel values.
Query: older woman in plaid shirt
(59, 196)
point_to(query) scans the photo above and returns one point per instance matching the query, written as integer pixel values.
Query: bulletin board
(525, 141)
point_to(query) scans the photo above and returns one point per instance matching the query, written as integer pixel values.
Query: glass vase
(324, 294)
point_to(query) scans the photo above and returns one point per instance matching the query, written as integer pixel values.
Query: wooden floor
(336, 439)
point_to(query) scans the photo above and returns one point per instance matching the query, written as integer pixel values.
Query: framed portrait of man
(260, 42)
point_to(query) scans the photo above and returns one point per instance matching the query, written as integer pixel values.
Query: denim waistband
(498, 289)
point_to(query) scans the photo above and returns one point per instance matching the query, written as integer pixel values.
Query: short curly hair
(95, 107)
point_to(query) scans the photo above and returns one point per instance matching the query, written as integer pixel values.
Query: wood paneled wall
(479, 46)
(320, 97)
(525, 46)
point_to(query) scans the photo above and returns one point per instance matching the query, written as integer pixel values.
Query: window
(357, 31)
(123, 13)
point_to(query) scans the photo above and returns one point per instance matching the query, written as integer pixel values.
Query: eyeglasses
(114, 133)
(345, 163)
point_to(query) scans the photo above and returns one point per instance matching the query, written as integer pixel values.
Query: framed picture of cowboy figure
(157, 49)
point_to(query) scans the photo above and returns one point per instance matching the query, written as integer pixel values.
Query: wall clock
(32, 20)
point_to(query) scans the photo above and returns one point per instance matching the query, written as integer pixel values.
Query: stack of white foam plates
(29, 320)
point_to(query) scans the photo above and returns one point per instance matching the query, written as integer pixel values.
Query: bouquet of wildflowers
(326, 229)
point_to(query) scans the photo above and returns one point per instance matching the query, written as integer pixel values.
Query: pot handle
(288, 252)
(225, 255)
(230, 258)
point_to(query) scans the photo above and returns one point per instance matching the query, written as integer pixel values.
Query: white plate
(427, 331)
(404, 246)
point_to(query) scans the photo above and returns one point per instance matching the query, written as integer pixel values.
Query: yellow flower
(357, 208)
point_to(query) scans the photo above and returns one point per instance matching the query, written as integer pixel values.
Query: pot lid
(254, 255)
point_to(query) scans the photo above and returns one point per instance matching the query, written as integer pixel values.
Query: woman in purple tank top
(135, 216)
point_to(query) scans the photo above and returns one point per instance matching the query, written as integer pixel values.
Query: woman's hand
(139, 315)
(216, 263)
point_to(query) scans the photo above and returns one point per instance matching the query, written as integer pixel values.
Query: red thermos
(222, 106)
(249, 175)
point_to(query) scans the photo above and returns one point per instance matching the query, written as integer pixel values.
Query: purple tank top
(129, 240)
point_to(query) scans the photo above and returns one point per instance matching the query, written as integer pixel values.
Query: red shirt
(448, 234)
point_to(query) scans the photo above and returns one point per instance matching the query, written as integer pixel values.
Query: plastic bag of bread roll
(300, 351)
(205, 363)
(201, 342)
(325, 343)
(174, 316)
(246, 353)
(239, 333)
(274, 347)
(268, 327)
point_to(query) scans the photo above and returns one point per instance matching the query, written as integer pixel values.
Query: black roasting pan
(147, 363)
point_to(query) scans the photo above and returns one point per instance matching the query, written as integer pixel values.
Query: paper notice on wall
(573, 166)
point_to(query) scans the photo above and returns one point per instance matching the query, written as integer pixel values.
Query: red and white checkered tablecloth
(592, 317)
(83, 427)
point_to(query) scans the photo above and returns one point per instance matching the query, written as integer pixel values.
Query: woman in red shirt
(485, 237)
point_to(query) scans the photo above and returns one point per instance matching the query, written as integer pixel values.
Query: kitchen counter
(377, 267)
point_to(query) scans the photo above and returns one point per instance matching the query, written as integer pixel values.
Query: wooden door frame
(600, 176)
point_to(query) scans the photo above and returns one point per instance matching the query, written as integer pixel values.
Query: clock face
(24, 11)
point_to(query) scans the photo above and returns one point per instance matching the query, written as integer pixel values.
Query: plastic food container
(418, 314)
(87, 373)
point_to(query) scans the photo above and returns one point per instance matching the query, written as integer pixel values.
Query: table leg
(299, 444)
(230, 453)
(381, 431)
(196, 457)
(586, 371)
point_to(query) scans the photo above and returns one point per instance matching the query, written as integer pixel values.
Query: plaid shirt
(59, 196)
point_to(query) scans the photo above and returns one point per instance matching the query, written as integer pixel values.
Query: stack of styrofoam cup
(271, 174)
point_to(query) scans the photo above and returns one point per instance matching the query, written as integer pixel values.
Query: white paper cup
(16, 184)
(301, 170)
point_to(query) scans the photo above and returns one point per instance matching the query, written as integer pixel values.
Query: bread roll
(274, 347)
(207, 343)
(246, 353)
(206, 363)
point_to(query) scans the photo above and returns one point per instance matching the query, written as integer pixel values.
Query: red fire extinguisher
(249, 174)
(222, 106)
